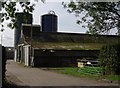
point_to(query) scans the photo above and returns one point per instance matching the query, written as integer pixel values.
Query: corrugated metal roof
(66, 46)
(70, 41)
(74, 38)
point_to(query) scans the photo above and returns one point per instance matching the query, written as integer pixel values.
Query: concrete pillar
(15, 55)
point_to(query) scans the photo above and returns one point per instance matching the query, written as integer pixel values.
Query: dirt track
(26, 76)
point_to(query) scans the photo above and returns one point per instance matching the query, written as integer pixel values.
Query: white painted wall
(15, 55)
(26, 49)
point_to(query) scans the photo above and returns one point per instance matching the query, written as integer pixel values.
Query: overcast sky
(66, 21)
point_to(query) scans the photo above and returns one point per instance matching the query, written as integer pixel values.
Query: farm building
(45, 47)
(37, 48)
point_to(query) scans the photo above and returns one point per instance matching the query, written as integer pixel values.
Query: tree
(10, 10)
(109, 59)
(100, 17)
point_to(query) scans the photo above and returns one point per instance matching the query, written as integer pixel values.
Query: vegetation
(100, 17)
(86, 72)
(79, 72)
(9, 10)
(110, 59)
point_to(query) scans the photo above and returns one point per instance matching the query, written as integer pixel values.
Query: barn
(54, 49)
(43, 46)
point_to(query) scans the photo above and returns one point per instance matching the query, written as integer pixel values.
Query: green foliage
(11, 9)
(99, 16)
(92, 72)
(113, 77)
(110, 59)
(87, 72)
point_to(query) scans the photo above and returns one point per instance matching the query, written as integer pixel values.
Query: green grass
(86, 72)
(80, 72)
(113, 77)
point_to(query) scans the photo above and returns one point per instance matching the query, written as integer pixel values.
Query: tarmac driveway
(27, 76)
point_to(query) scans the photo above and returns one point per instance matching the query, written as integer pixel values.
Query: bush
(110, 59)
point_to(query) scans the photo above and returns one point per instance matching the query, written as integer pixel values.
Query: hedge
(109, 59)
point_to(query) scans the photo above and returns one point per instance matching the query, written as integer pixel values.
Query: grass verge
(86, 72)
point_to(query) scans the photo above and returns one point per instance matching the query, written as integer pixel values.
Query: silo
(49, 22)
(21, 18)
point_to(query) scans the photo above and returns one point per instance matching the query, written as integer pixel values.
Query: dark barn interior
(61, 58)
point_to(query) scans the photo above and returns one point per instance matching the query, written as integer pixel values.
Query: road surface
(27, 76)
